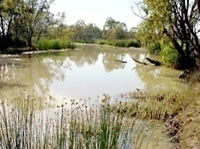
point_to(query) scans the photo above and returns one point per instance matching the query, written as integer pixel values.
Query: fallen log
(121, 61)
(137, 61)
(155, 62)
(185, 74)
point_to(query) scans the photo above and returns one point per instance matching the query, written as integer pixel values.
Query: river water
(89, 72)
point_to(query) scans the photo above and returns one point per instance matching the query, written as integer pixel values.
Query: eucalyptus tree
(82, 32)
(114, 30)
(9, 10)
(38, 18)
(24, 19)
(177, 21)
(92, 33)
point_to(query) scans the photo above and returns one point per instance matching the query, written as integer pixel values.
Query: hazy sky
(96, 11)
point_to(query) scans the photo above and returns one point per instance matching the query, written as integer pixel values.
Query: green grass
(121, 43)
(56, 44)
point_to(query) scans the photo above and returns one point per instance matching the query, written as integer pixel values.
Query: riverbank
(79, 46)
(177, 110)
(161, 96)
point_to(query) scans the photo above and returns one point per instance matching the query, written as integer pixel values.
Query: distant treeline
(27, 23)
(90, 33)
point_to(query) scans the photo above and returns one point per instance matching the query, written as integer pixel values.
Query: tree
(176, 21)
(38, 17)
(92, 33)
(79, 29)
(114, 29)
(9, 12)
(23, 19)
(82, 32)
(199, 6)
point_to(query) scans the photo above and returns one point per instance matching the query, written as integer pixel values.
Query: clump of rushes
(77, 126)
(121, 43)
(56, 44)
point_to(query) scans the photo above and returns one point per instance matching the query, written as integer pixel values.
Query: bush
(154, 48)
(169, 55)
(70, 45)
(55, 44)
(90, 41)
(121, 43)
(19, 42)
(102, 42)
(133, 43)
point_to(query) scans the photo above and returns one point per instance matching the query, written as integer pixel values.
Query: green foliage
(25, 18)
(79, 32)
(154, 48)
(169, 55)
(133, 43)
(121, 43)
(171, 21)
(114, 30)
(46, 44)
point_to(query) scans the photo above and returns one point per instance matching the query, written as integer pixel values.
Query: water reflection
(73, 74)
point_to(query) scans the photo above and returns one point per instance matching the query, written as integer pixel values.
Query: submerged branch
(121, 61)
(155, 62)
(137, 61)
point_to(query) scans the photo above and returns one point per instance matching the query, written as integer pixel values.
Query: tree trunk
(39, 35)
(198, 1)
(2, 27)
(30, 41)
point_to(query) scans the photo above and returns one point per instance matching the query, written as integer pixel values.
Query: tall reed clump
(121, 43)
(56, 44)
(73, 125)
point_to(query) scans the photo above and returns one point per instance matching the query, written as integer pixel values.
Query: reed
(73, 125)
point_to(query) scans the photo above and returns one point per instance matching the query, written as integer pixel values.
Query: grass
(77, 126)
(178, 110)
(56, 44)
(121, 43)
(157, 105)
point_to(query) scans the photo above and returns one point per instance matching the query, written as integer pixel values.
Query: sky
(96, 11)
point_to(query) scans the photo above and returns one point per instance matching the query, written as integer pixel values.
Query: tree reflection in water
(36, 75)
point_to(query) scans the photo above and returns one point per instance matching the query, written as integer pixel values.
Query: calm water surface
(90, 72)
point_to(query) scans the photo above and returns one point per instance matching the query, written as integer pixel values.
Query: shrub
(102, 42)
(43, 44)
(121, 43)
(154, 48)
(133, 43)
(169, 55)
(70, 45)
(55, 44)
